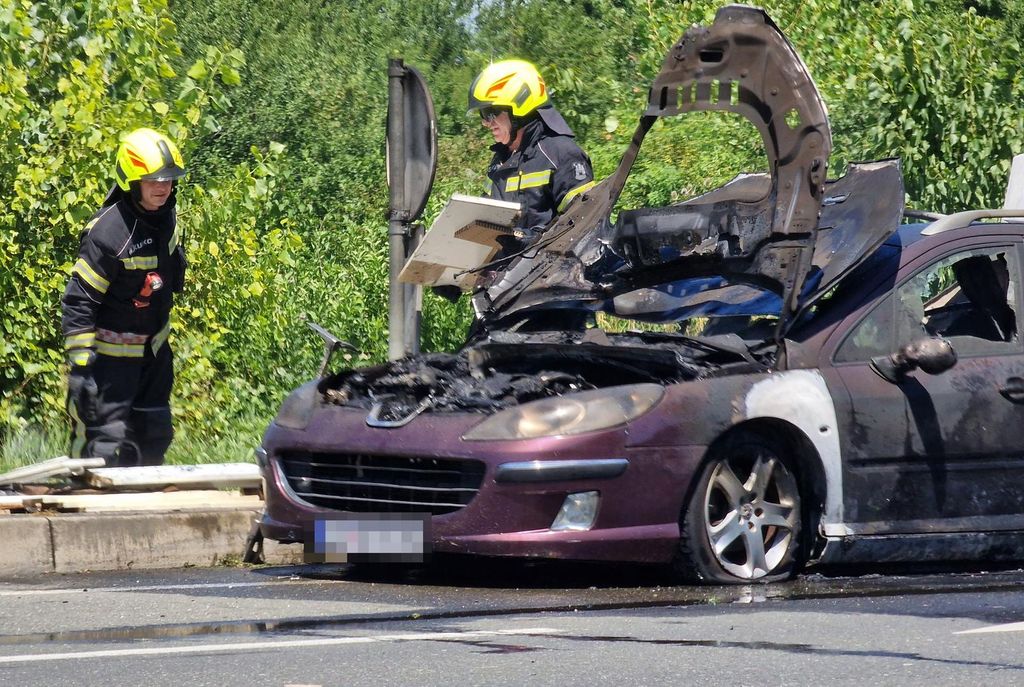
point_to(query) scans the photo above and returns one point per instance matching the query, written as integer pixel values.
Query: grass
(190, 447)
(32, 445)
(234, 446)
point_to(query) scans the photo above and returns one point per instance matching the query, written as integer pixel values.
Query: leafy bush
(948, 102)
(234, 319)
(73, 76)
(295, 229)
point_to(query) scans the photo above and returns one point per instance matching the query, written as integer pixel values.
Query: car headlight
(587, 411)
(297, 409)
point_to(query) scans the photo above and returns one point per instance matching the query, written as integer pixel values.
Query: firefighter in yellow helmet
(536, 159)
(116, 309)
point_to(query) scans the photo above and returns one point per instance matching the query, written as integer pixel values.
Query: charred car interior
(840, 401)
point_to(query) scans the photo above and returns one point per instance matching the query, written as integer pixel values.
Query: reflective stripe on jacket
(119, 247)
(547, 171)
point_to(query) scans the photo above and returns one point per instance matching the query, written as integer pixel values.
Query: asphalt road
(508, 624)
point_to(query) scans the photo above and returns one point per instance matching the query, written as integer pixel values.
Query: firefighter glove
(82, 385)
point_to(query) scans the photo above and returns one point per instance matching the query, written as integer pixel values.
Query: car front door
(938, 453)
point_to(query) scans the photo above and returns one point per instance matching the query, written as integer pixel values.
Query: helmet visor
(490, 113)
(169, 173)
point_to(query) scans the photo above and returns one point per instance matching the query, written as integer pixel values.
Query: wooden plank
(15, 502)
(62, 465)
(208, 476)
(95, 503)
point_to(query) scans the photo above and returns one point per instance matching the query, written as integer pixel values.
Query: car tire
(743, 521)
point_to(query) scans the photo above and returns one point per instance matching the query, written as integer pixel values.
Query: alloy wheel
(751, 513)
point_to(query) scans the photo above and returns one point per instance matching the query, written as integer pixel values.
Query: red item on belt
(153, 283)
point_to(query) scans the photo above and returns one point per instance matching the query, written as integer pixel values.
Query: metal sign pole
(412, 161)
(413, 297)
(397, 215)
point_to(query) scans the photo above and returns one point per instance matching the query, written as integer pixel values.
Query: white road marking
(264, 646)
(155, 588)
(1008, 627)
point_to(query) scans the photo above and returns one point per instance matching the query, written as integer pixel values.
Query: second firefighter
(117, 305)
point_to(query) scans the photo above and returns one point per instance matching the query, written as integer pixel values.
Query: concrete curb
(75, 542)
(28, 548)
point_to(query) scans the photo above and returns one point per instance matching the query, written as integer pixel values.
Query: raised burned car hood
(756, 236)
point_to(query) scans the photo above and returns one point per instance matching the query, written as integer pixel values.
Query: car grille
(382, 484)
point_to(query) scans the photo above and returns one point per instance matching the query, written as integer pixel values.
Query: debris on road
(208, 476)
(54, 467)
(83, 485)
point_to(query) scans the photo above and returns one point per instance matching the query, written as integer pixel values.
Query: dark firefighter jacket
(119, 247)
(547, 171)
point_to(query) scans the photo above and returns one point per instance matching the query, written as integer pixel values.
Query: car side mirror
(932, 356)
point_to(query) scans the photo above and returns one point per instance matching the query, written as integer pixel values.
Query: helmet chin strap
(513, 139)
(135, 190)
(517, 124)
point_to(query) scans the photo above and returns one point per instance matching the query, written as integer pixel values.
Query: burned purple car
(825, 383)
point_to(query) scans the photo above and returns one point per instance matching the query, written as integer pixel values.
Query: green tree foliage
(948, 101)
(235, 311)
(316, 80)
(286, 201)
(73, 76)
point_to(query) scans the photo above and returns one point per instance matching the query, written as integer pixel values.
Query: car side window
(872, 336)
(968, 297)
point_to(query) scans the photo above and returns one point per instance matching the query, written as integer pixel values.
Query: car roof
(907, 234)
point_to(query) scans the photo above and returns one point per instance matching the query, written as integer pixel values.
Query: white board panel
(463, 237)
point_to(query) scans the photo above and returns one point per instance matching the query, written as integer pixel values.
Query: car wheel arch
(799, 458)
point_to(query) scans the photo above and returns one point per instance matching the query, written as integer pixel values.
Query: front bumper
(642, 489)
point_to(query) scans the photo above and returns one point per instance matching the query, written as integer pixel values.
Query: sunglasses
(489, 114)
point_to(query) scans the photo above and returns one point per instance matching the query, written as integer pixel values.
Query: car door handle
(1013, 390)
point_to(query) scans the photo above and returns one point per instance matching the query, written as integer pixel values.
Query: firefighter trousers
(132, 419)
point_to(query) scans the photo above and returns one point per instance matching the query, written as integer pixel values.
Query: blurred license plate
(370, 537)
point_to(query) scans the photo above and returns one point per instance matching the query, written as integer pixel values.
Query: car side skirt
(925, 548)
